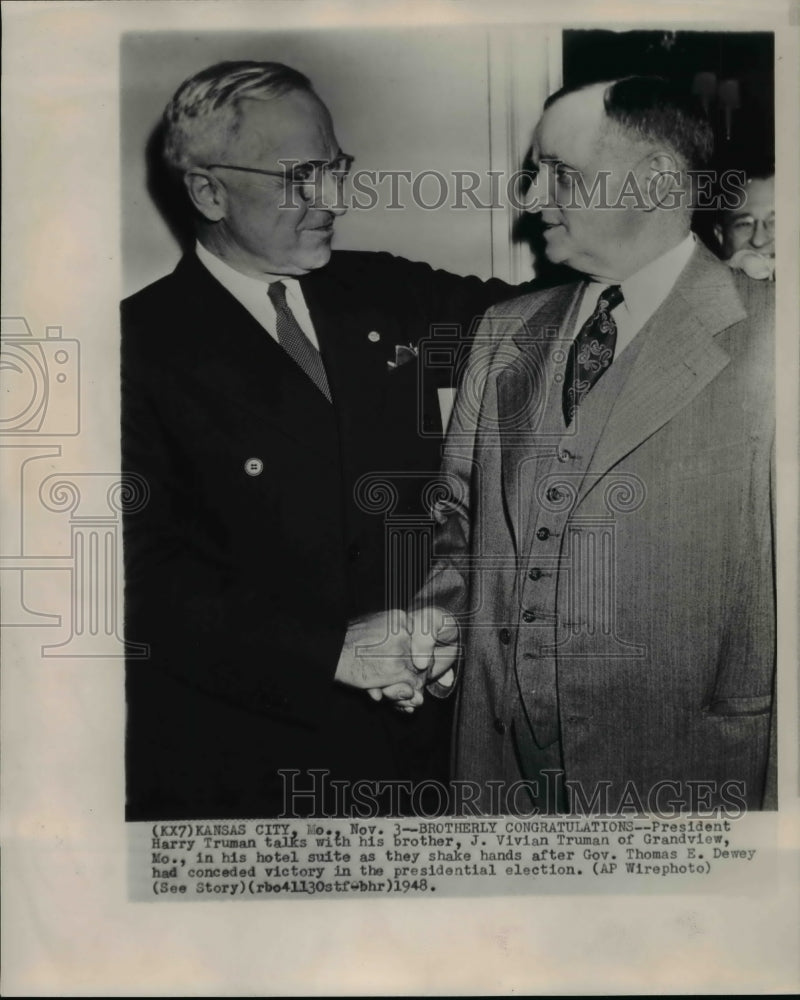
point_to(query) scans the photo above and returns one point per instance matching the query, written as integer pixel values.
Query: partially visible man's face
(752, 225)
(273, 228)
(570, 133)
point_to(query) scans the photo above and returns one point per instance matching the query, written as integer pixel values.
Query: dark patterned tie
(592, 351)
(295, 342)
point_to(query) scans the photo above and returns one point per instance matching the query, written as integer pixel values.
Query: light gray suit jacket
(615, 579)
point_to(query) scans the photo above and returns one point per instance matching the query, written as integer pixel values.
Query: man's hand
(434, 641)
(434, 650)
(377, 653)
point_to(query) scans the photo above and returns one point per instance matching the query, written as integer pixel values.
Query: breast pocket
(760, 704)
(715, 463)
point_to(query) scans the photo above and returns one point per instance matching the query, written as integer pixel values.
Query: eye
(341, 164)
(303, 173)
(528, 177)
(563, 174)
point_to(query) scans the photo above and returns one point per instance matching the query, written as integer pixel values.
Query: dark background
(746, 57)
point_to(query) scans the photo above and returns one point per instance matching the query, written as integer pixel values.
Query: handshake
(394, 654)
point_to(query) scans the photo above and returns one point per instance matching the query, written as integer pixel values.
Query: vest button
(535, 573)
(528, 617)
(553, 494)
(505, 636)
(499, 726)
(543, 534)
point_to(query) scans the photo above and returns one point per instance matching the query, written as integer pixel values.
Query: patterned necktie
(592, 351)
(295, 342)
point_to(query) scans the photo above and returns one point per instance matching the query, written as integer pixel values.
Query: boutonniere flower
(403, 353)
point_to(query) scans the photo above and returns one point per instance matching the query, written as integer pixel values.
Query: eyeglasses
(746, 225)
(308, 174)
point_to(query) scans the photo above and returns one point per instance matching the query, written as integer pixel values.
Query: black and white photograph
(400, 446)
(594, 576)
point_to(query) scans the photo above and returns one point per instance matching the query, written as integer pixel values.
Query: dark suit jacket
(627, 604)
(242, 585)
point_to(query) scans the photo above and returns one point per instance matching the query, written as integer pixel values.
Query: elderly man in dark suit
(607, 544)
(263, 380)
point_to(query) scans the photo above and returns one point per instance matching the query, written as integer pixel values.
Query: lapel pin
(253, 466)
(373, 336)
(403, 353)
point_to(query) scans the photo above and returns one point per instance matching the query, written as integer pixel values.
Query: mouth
(549, 227)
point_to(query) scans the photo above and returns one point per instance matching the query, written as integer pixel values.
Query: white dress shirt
(643, 293)
(252, 293)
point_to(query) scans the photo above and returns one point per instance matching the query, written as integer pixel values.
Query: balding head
(617, 154)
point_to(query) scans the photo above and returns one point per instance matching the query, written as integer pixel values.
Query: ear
(662, 180)
(206, 193)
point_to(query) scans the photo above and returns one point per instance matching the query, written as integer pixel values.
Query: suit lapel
(344, 317)
(677, 359)
(346, 321)
(529, 414)
(232, 356)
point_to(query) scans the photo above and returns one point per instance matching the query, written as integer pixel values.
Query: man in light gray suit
(606, 542)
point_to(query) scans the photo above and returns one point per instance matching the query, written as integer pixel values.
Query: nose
(541, 194)
(536, 195)
(330, 194)
(760, 235)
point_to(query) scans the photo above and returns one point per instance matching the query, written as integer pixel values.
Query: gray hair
(204, 114)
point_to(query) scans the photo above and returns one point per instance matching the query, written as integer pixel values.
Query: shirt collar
(645, 290)
(241, 286)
